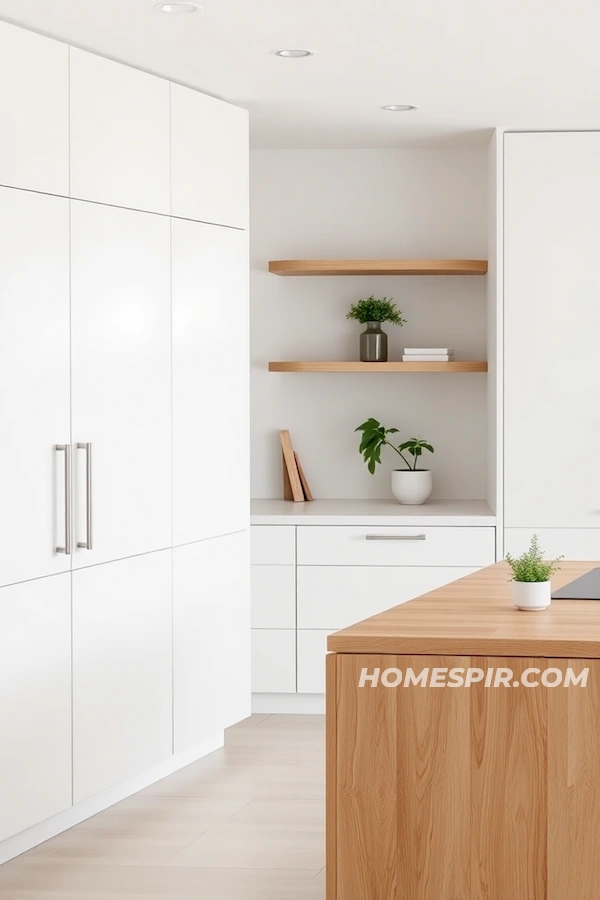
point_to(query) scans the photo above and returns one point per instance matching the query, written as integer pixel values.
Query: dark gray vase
(373, 343)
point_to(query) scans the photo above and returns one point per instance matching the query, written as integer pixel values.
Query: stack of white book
(428, 354)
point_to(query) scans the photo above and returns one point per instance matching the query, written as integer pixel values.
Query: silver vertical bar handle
(66, 449)
(396, 537)
(87, 544)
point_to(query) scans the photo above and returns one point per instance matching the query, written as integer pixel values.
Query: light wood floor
(245, 823)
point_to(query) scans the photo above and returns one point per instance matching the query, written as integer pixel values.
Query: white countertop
(370, 512)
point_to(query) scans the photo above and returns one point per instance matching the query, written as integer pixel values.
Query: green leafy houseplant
(374, 437)
(531, 565)
(372, 309)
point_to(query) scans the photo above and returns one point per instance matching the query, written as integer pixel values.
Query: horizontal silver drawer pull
(396, 537)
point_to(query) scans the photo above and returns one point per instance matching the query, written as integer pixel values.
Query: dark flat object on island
(585, 588)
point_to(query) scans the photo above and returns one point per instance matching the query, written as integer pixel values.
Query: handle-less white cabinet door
(211, 484)
(211, 637)
(35, 702)
(121, 374)
(551, 330)
(209, 159)
(119, 134)
(34, 374)
(34, 111)
(122, 671)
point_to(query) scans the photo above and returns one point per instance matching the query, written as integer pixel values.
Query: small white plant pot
(412, 488)
(532, 595)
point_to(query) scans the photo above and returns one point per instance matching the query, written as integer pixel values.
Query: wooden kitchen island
(478, 793)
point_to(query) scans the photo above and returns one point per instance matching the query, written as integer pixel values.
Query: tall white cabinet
(35, 379)
(34, 111)
(211, 477)
(117, 369)
(35, 701)
(121, 380)
(551, 329)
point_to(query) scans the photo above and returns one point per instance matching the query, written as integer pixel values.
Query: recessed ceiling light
(293, 54)
(399, 107)
(177, 7)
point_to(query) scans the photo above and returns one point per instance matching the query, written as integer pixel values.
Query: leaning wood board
(466, 793)
(303, 480)
(378, 266)
(292, 486)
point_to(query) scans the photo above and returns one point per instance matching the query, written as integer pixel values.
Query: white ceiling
(468, 64)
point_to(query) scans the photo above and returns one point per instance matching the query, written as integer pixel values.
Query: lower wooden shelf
(456, 366)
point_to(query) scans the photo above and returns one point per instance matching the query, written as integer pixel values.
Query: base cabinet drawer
(273, 596)
(335, 597)
(273, 545)
(572, 543)
(312, 647)
(273, 661)
(349, 545)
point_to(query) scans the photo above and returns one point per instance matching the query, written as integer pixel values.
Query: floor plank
(244, 823)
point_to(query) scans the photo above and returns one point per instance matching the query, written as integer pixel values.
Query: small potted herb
(411, 486)
(531, 575)
(372, 312)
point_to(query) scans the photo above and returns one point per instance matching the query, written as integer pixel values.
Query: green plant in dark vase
(411, 486)
(372, 311)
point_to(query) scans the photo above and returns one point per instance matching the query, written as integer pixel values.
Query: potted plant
(372, 312)
(531, 575)
(410, 486)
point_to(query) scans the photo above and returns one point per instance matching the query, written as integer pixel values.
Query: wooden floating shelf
(378, 266)
(441, 367)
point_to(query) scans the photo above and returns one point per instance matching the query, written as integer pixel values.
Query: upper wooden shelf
(378, 266)
(354, 366)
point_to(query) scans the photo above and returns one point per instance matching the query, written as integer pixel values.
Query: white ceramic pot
(412, 488)
(532, 594)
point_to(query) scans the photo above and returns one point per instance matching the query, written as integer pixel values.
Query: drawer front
(312, 647)
(572, 543)
(273, 661)
(273, 545)
(348, 545)
(273, 596)
(338, 596)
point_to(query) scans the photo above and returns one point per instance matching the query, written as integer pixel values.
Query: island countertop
(474, 616)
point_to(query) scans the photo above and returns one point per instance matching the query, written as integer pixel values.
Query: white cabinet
(572, 543)
(209, 159)
(335, 597)
(34, 374)
(312, 648)
(34, 111)
(211, 637)
(359, 545)
(35, 702)
(273, 545)
(343, 574)
(551, 328)
(273, 661)
(122, 671)
(121, 374)
(211, 481)
(119, 134)
(273, 596)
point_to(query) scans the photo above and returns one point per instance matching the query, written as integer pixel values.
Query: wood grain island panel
(476, 793)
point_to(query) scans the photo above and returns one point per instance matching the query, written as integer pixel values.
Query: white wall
(495, 337)
(366, 203)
